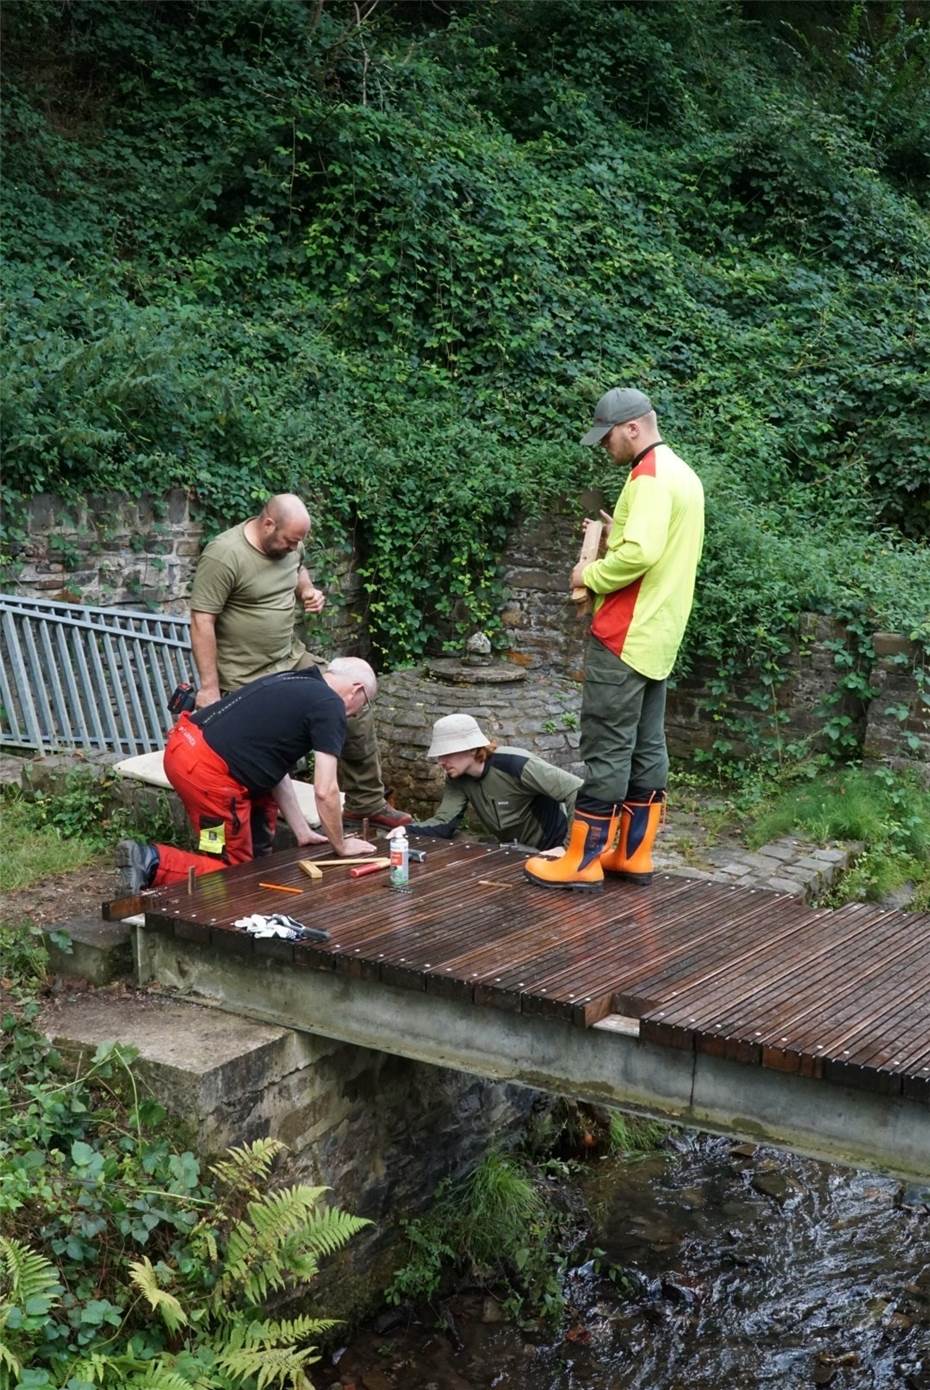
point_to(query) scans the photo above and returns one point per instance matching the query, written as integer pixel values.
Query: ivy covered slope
(256, 244)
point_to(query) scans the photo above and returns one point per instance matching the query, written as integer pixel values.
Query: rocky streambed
(706, 1265)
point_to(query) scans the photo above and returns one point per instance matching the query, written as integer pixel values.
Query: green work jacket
(517, 797)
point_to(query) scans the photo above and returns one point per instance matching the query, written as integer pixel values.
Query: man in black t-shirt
(230, 761)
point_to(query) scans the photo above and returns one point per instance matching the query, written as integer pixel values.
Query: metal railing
(97, 679)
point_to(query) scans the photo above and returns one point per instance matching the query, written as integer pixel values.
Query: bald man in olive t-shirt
(243, 614)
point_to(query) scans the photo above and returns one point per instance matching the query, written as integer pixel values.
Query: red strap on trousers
(211, 797)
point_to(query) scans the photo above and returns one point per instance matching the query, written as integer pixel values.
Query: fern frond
(203, 1241)
(279, 1366)
(96, 1368)
(278, 1213)
(160, 1378)
(8, 1362)
(142, 1274)
(330, 1230)
(245, 1165)
(270, 1333)
(28, 1274)
(257, 1251)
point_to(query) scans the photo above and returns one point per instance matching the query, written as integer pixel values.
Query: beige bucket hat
(456, 733)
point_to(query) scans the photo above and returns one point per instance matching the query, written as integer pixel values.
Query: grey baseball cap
(616, 407)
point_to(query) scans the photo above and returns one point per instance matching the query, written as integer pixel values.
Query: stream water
(742, 1268)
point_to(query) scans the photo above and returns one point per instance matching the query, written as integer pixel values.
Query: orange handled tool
(364, 869)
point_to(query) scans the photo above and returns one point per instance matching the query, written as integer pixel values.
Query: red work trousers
(227, 818)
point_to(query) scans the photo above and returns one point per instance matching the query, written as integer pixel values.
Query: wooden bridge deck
(747, 974)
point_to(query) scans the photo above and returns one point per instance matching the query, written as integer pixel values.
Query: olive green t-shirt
(253, 598)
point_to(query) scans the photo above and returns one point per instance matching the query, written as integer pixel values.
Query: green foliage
(498, 1225)
(23, 955)
(392, 265)
(121, 1263)
(852, 804)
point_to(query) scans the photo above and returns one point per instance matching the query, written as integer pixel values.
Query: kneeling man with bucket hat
(512, 793)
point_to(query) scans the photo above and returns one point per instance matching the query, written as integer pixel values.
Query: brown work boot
(388, 817)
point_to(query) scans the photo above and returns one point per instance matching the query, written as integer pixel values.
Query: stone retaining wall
(117, 551)
(898, 726)
(131, 552)
(110, 549)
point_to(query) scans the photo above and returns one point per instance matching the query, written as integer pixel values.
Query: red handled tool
(364, 869)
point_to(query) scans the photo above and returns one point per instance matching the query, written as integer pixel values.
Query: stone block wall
(797, 709)
(110, 550)
(545, 634)
(898, 724)
(538, 713)
(544, 629)
(113, 550)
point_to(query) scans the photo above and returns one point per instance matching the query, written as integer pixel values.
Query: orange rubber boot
(580, 865)
(639, 822)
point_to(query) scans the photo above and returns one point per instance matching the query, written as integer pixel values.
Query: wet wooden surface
(743, 973)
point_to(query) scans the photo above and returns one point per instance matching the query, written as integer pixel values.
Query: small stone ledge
(220, 1073)
(783, 866)
(100, 953)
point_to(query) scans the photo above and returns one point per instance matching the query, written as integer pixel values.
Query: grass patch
(633, 1135)
(498, 1225)
(851, 804)
(33, 851)
(889, 812)
(23, 954)
(65, 829)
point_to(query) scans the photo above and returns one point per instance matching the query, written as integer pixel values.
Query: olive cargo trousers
(622, 732)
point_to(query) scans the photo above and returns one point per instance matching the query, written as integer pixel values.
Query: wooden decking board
(915, 1058)
(630, 937)
(757, 971)
(760, 989)
(621, 936)
(429, 951)
(685, 969)
(864, 1026)
(797, 1053)
(815, 976)
(827, 1025)
(572, 944)
(337, 902)
(686, 974)
(735, 972)
(619, 969)
(424, 930)
(421, 917)
(724, 972)
(906, 1049)
(756, 1035)
(368, 917)
(481, 960)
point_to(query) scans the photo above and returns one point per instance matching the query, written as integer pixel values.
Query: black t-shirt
(261, 730)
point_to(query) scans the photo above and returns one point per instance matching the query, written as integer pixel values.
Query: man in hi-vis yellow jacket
(643, 587)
